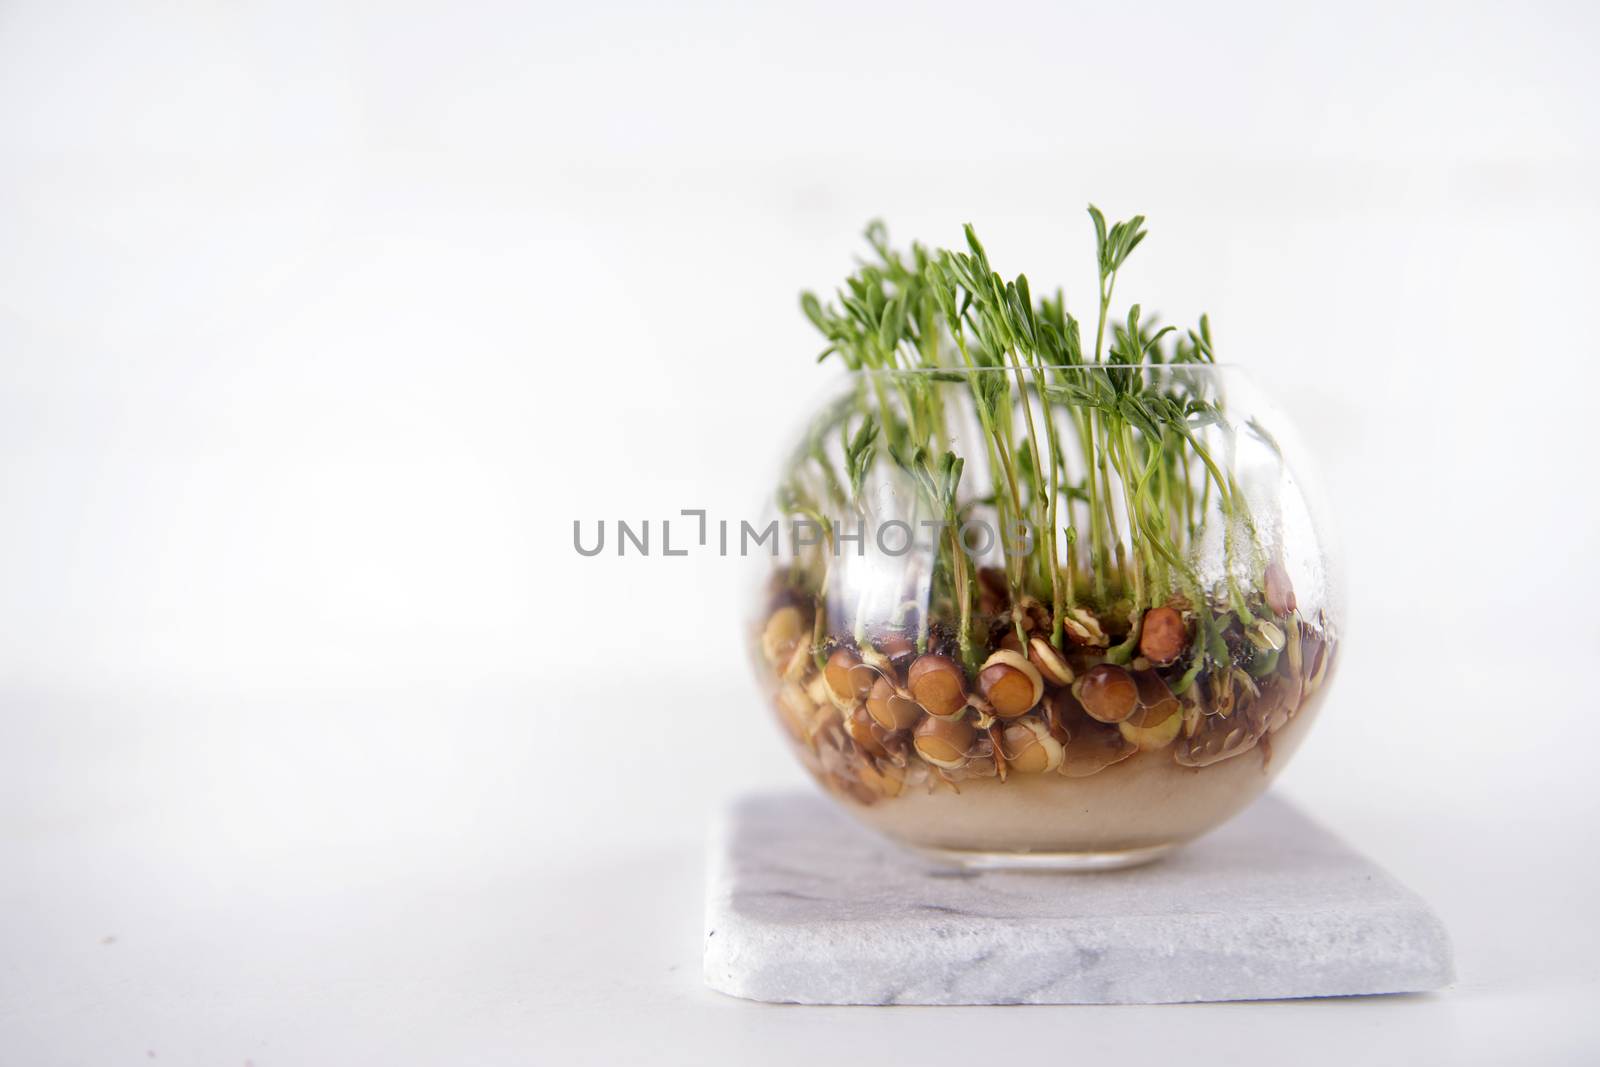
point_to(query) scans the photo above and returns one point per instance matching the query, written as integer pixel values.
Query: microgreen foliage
(1108, 452)
(858, 454)
(1113, 247)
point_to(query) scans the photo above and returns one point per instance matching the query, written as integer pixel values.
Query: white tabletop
(425, 877)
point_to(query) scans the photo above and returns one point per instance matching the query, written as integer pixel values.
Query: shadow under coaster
(804, 906)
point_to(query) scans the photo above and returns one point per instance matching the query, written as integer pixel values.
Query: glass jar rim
(960, 372)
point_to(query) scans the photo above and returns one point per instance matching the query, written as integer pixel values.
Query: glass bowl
(1079, 661)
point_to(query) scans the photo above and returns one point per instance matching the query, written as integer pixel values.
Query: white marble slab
(804, 906)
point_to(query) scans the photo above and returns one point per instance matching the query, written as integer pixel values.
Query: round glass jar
(1080, 661)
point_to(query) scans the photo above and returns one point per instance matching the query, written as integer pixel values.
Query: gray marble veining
(806, 907)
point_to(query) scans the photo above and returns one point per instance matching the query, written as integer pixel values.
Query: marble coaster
(806, 907)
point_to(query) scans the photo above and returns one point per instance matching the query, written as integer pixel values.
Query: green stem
(1052, 511)
(993, 434)
(1044, 499)
(1097, 546)
(963, 578)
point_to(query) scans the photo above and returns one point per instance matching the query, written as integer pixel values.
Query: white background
(320, 744)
